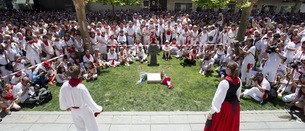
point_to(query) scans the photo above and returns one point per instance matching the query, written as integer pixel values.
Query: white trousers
(83, 119)
(35, 59)
(245, 76)
(130, 40)
(255, 93)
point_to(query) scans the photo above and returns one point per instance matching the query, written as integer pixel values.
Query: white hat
(166, 41)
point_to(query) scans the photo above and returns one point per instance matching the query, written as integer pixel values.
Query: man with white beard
(75, 97)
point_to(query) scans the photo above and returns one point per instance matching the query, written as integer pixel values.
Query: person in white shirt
(112, 58)
(232, 34)
(249, 60)
(87, 58)
(122, 38)
(141, 56)
(75, 97)
(273, 62)
(32, 52)
(260, 87)
(167, 50)
(23, 91)
(131, 33)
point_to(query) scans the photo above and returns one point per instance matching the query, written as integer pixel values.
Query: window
(183, 6)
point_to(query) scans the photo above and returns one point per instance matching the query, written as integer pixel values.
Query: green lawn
(116, 90)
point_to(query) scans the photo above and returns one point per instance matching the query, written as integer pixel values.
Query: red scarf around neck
(75, 82)
(46, 43)
(88, 56)
(232, 79)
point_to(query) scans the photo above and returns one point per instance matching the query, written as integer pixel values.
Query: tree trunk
(82, 21)
(297, 6)
(113, 12)
(244, 21)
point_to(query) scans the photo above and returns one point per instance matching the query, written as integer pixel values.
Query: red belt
(75, 107)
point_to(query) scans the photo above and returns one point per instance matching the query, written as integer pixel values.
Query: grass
(116, 90)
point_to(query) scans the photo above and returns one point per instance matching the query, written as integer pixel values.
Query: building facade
(153, 5)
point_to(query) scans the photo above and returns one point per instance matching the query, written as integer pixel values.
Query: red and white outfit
(75, 96)
(225, 106)
(112, 59)
(255, 93)
(247, 65)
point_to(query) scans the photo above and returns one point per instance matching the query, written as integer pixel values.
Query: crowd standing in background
(272, 54)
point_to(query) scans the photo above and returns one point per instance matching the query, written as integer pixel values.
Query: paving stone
(140, 119)
(253, 125)
(121, 120)
(159, 119)
(64, 119)
(49, 127)
(196, 119)
(140, 127)
(171, 127)
(197, 127)
(285, 125)
(104, 119)
(178, 119)
(28, 118)
(47, 118)
(14, 127)
(101, 127)
(120, 128)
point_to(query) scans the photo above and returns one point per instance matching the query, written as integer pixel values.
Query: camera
(239, 44)
(295, 64)
(271, 49)
(255, 78)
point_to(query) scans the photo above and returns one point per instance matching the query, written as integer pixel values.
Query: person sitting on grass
(166, 51)
(98, 59)
(179, 53)
(260, 87)
(87, 57)
(91, 72)
(284, 86)
(61, 76)
(8, 100)
(123, 57)
(189, 59)
(141, 56)
(112, 58)
(206, 65)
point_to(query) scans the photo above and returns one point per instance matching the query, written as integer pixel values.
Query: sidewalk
(278, 120)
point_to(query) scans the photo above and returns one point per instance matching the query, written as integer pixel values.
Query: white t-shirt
(250, 57)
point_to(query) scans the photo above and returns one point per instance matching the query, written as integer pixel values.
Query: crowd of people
(50, 42)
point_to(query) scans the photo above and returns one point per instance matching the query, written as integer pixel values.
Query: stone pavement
(278, 120)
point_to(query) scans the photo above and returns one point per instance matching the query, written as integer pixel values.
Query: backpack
(272, 94)
(44, 96)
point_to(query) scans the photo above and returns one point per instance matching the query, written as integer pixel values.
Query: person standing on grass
(225, 111)
(75, 96)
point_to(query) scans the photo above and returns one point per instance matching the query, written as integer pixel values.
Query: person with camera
(249, 60)
(24, 91)
(298, 103)
(274, 58)
(260, 87)
(75, 97)
(297, 84)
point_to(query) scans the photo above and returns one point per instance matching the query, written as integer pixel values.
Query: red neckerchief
(46, 43)
(88, 56)
(17, 75)
(75, 82)
(35, 41)
(232, 79)
(259, 82)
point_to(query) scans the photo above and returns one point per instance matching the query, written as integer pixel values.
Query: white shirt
(250, 57)
(78, 96)
(18, 89)
(220, 95)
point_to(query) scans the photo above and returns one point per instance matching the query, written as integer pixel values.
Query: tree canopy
(223, 3)
(118, 2)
